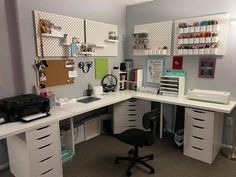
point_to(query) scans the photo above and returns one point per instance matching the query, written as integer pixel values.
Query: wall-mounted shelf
(205, 35)
(86, 53)
(110, 40)
(52, 35)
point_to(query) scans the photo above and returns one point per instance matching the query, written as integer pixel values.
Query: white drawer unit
(36, 153)
(202, 134)
(129, 114)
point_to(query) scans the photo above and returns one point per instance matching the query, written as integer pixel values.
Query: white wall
(97, 10)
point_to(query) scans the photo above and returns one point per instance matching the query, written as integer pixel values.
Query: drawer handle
(197, 137)
(45, 159)
(133, 100)
(132, 126)
(197, 148)
(43, 127)
(132, 114)
(132, 120)
(132, 109)
(45, 146)
(133, 105)
(198, 119)
(44, 137)
(198, 127)
(46, 172)
(199, 111)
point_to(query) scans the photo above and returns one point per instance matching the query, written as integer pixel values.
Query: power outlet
(229, 120)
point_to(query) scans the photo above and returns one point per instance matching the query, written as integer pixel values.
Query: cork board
(56, 73)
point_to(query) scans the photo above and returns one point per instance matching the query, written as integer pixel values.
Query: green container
(66, 155)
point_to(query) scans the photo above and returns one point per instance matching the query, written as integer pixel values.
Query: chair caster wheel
(152, 171)
(131, 151)
(128, 173)
(151, 157)
(116, 161)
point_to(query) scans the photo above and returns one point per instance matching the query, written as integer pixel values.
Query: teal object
(66, 155)
(176, 73)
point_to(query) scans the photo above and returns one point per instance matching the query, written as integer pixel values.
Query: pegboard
(53, 46)
(159, 35)
(97, 33)
(222, 32)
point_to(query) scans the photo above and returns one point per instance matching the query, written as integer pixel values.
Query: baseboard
(4, 166)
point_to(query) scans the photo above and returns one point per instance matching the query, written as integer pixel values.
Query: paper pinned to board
(72, 74)
(101, 67)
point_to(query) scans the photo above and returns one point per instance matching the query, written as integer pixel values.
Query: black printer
(24, 108)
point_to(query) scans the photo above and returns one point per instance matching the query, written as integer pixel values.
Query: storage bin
(208, 39)
(201, 51)
(186, 41)
(209, 28)
(207, 51)
(191, 40)
(197, 29)
(203, 29)
(215, 28)
(181, 30)
(191, 29)
(202, 40)
(215, 39)
(196, 41)
(195, 51)
(186, 30)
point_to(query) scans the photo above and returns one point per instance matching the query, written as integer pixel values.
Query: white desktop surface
(66, 111)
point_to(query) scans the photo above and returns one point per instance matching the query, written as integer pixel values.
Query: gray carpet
(94, 158)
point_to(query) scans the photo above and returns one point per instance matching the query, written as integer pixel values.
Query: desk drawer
(198, 131)
(198, 142)
(42, 153)
(199, 122)
(197, 153)
(44, 168)
(41, 132)
(202, 115)
(131, 109)
(41, 142)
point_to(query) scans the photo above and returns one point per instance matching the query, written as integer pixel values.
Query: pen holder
(191, 40)
(215, 28)
(209, 28)
(195, 51)
(191, 29)
(180, 51)
(197, 29)
(181, 30)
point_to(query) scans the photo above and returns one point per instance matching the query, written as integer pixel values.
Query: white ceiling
(131, 2)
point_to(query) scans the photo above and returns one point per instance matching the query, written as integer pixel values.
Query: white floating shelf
(86, 53)
(52, 35)
(110, 40)
(68, 44)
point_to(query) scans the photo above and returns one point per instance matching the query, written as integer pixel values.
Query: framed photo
(154, 70)
(207, 68)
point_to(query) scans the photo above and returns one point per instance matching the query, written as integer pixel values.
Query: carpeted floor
(94, 158)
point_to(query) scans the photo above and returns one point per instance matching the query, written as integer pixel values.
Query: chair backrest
(150, 121)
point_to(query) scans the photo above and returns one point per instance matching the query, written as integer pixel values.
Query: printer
(24, 108)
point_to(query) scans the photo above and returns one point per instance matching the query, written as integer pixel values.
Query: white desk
(74, 109)
(67, 111)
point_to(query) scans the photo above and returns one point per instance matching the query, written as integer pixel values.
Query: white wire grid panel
(97, 33)
(223, 20)
(53, 46)
(159, 35)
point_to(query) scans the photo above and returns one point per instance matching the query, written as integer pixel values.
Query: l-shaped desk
(67, 111)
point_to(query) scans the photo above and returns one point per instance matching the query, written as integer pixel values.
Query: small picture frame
(207, 68)
(154, 70)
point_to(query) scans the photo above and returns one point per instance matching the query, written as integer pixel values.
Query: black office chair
(139, 138)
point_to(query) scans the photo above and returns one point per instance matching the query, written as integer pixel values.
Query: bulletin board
(159, 35)
(57, 74)
(222, 33)
(97, 33)
(54, 46)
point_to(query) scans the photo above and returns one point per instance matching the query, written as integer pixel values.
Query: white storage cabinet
(202, 134)
(36, 153)
(129, 114)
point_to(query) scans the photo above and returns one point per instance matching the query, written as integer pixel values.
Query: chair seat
(135, 137)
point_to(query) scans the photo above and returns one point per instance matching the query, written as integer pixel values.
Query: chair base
(136, 159)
